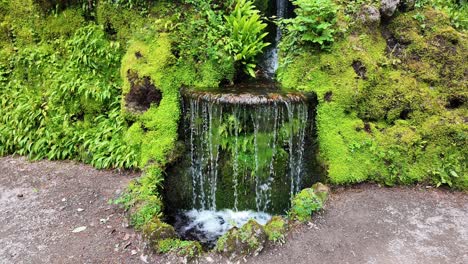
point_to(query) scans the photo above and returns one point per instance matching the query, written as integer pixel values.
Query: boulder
(156, 230)
(369, 15)
(249, 240)
(388, 7)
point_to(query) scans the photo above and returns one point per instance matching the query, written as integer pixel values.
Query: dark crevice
(360, 69)
(143, 93)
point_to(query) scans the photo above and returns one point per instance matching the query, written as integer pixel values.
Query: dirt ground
(42, 203)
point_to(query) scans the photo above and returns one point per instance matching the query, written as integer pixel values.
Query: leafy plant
(245, 34)
(457, 10)
(448, 171)
(304, 204)
(314, 23)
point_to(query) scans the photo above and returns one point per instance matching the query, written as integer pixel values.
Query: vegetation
(98, 82)
(314, 22)
(276, 229)
(182, 248)
(304, 204)
(391, 103)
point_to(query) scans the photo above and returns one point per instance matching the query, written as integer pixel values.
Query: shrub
(304, 204)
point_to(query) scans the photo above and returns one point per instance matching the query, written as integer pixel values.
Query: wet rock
(248, 240)
(245, 96)
(369, 15)
(143, 93)
(388, 7)
(157, 230)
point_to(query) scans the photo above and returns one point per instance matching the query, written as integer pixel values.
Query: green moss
(248, 240)
(156, 230)
(275, 229)
(373, 123)
(180, 247)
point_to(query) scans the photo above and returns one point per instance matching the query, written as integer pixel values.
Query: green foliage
(75, 62)
(180, 247)
(276, 229)
(390, 118)
(304, 204)
(447, 173)
(142, 197)
(314, 23)
(244, 29)
(457, 10)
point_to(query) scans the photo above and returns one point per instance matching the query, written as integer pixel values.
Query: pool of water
(207, 226)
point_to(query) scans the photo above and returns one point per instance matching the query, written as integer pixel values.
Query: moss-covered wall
(392, 101)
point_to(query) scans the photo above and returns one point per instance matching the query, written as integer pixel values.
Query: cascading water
(245, 152)
(269, 61)
(265, 133)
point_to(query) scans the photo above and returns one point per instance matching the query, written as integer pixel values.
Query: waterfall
(269, 61)
(245, 148)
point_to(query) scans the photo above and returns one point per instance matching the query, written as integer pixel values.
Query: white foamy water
(207, 226)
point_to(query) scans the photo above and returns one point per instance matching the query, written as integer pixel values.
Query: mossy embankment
(392, 100)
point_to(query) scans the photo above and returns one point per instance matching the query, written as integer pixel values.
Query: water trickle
(270, 57)
(247, 142)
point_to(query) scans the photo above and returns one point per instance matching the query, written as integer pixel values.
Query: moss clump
(182, 248)
(275, 229)
(304, 204)
(156, 230)
(247, 240)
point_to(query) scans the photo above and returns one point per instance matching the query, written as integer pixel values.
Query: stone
(156, 230)
(388, 7)
(249, 240)
(321, 190)
(369, 15)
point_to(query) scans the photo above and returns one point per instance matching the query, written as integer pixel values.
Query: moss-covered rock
(156, 230)
(276, 229)
(385, 93)
(188, 249)
(247, 240)
(321, 190)
(304, 204)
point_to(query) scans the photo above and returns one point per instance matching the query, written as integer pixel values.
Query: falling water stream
(246, 158)
(269, 61)
(246, 153)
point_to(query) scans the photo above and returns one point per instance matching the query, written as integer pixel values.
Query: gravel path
(42, 203)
